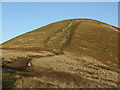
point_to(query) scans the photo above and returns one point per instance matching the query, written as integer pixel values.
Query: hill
(74, 53)
(80, 36)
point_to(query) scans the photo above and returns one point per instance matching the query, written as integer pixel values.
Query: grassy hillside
(80, 36)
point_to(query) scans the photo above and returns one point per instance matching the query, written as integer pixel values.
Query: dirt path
(60, 39)
(56, 35)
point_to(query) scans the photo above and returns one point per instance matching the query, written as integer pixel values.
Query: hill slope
(80, 36)
(75, 53)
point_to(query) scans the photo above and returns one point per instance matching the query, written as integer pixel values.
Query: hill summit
(74, 53)
(80, 36)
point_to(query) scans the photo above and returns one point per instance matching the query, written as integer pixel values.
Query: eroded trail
(60, 39)
(46, 69)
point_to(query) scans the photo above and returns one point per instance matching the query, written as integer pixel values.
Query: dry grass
(69, 70)
(83, 66)
(96, 41)
(36, 37)
(54, 79)
(91, 37)
(83, 53)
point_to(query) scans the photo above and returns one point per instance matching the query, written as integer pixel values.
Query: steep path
(60, 39)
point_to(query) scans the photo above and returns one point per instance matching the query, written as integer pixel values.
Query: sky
(22, 17)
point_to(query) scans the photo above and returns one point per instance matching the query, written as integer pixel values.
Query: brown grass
(83, 53)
